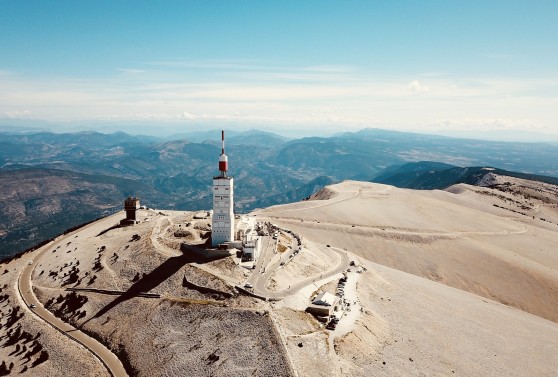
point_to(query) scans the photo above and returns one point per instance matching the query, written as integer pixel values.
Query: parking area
(342, 320)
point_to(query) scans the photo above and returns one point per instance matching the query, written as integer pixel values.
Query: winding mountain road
(25, 289)
(268, 263)
(260, 283)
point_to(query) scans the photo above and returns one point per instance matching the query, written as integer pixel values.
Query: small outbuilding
(325, 299)
(323, 304)
(251, 249)
(131, 206)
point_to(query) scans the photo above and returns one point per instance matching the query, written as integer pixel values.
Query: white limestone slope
(455, 285)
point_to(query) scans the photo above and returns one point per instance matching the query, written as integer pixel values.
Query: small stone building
(131, 206)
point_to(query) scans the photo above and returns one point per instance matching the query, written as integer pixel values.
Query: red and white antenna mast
(223, 160)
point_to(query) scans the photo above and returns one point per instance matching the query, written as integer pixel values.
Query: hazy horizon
(483, 70)
(176, 129)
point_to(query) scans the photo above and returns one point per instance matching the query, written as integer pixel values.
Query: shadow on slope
(153, 279)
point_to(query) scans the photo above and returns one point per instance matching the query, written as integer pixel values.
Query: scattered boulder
(212, 358)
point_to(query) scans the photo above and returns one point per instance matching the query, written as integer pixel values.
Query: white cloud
(233, 64)
(417, 87)
(187, 115)
(483, 124)
(331, 68)
(17, 114)
(311, 96)
(131, 71)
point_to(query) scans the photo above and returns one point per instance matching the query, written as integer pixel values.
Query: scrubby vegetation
(26, 350)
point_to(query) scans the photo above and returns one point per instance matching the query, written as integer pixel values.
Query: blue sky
(439, 66)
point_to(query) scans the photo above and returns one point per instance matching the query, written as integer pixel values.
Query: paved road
(264, 269)
(313, 204)
(276, 295)
(107, 358)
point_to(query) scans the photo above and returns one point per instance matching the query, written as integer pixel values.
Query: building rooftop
(325, 299)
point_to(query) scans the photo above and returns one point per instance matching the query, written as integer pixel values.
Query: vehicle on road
(30, 263)
(282, 263)
(32, 306)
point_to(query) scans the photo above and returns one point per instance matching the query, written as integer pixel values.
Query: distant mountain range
(100, 170)
(427, 175)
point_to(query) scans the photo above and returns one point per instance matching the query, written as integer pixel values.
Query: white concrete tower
(222, 228)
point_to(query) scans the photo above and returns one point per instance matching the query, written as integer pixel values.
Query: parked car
(248, 285)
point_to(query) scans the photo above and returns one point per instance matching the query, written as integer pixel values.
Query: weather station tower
(222, 227)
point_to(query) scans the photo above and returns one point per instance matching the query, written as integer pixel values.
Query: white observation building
(222, 227)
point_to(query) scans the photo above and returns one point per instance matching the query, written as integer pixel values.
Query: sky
(308, 67)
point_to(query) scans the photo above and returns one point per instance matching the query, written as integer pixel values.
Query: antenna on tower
(223, 160)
